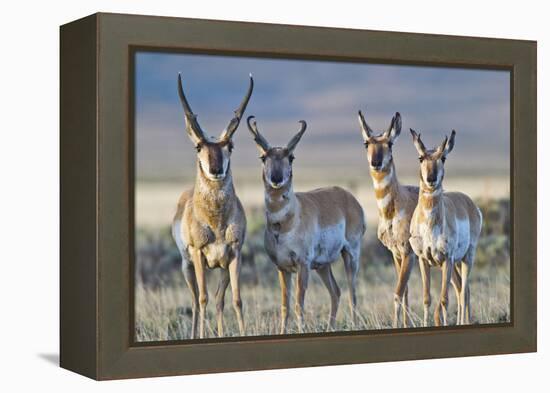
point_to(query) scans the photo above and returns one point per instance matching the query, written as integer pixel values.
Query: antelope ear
(395, 127)
(366, 131)
(296, 138)
(420, 148)
(449, 143)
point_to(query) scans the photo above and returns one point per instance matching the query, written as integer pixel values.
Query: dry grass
(163, 304)
(164, 314)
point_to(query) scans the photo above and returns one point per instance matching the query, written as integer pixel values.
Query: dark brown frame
(96, 141)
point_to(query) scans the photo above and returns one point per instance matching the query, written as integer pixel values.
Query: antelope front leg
(441, 310)
(284, 280)
(198, 263)
(396, 302)
(220, 298)
(406, 266)
(234, 275)
(301, 287)
(425, 274)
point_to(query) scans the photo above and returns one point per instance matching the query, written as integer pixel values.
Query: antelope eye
(198, 147)
(262, 158)
(290, 158)
(366, 144)
(230, 146)
(390, 144)
(420, 158)
(443, 159)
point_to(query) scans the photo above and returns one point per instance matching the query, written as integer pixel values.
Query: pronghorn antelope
(445, 229)
(210, 224)
(396, 204)
(307, 230)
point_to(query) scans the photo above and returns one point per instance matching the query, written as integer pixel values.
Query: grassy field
(163, 307)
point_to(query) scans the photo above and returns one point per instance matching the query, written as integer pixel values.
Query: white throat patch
(381, 184)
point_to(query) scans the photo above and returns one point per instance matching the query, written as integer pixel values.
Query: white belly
(318, 247)
(329, 243)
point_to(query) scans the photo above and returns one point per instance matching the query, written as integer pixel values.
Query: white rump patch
(177, 235)
(463, 236)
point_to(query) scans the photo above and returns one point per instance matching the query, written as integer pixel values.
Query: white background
(29, 173)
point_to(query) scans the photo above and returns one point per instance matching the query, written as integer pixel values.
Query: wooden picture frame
(97, 196)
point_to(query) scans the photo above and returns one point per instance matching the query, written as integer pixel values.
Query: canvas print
(288, 196)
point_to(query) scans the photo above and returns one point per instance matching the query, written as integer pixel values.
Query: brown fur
(212, 228)
(307, 213)
(210, 224)
(445, 229)
(307, 230)
(396, 204)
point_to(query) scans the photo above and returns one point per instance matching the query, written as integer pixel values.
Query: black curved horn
(234, 123)
(258, 138)
(193, 127)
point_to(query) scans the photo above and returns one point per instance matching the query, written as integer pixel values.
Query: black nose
(432, 179)
(376, 164)
(276, 178)
(216, 171)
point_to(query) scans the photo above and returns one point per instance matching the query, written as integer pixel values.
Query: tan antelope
(307, 230)
(445, 230)
(396, 204)
(209, 226)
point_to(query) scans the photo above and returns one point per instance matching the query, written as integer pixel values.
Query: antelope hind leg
(325, 272)
(351, 264)
(456, 281)
(191, 280)
(465, 294)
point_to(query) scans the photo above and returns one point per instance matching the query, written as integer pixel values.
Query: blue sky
(325, 94)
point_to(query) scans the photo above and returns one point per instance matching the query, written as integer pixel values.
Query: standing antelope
(210, 224)
(307, 230)
(396, 204)
(445, 230)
